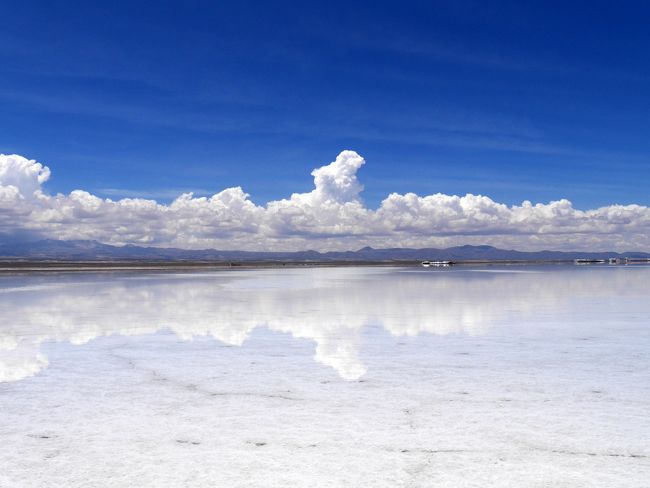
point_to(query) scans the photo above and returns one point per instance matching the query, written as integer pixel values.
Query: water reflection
(329, 306)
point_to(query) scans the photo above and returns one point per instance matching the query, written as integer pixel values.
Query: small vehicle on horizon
(428, 264)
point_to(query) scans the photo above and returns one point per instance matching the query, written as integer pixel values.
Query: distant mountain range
(79, 250)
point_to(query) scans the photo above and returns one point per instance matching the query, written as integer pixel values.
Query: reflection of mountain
(329, 306)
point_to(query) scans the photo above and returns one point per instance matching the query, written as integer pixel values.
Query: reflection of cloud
(329, 306)
(19, 359)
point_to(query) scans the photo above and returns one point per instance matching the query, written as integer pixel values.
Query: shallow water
(494, 376)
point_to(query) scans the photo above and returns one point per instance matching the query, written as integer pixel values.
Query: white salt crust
(327, 377)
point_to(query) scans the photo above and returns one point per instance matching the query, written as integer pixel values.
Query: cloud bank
(330, 217)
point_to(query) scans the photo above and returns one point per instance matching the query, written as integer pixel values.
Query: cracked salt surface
(327, 377)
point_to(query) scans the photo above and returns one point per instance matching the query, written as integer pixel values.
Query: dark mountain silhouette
(95, 251)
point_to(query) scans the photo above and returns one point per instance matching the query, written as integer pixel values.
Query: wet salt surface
(327, 377)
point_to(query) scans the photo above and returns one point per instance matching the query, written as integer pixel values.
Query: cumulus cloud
(23, 175)
(330, 217)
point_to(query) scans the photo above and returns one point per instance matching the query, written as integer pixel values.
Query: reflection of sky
(329, 306)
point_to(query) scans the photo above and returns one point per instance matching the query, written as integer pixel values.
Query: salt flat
(493, 376)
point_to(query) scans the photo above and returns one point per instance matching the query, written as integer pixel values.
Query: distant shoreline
(13, 266)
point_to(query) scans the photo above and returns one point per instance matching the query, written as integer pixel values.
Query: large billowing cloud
(330, 217)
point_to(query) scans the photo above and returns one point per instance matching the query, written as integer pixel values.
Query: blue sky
(536, 102)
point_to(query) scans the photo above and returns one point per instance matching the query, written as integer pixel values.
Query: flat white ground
(327, 377)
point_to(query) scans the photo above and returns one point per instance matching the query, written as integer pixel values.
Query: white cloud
(331, 216)
(23, 174)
